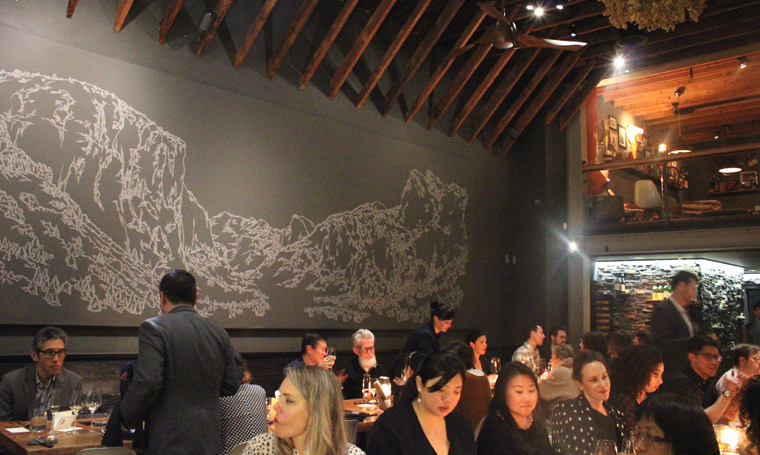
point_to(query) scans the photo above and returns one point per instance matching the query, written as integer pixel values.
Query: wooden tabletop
(68, 443)
(355, 405)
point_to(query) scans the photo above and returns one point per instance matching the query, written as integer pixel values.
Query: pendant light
(730, 166)
(679, 146)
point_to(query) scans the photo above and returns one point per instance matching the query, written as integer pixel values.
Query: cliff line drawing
(94, 210)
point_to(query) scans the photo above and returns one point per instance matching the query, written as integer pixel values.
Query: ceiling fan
(503, 34)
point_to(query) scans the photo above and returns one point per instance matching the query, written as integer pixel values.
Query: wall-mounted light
(743, 61)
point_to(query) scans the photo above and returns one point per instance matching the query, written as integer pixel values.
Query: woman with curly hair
(635, 374)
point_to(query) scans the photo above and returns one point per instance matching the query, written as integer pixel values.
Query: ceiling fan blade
(493, 12)
(454, 54)
(534, 41)
(488, 36)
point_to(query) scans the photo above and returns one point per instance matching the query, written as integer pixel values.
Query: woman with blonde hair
(309, 417)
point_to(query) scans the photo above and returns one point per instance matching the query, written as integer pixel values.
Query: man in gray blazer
(185, 364)
(671, 325)
(26, 388)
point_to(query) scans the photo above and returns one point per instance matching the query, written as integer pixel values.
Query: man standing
(528, 352)
(558, 335)
(697, 380)
(313, 353)
(363, 363)
(671, 325)
(752, 325)
(29, 387)
(185, 364)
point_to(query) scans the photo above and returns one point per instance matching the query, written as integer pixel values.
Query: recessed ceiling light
(619, 62)
(560, 6)
(530, 7)
(539, 12)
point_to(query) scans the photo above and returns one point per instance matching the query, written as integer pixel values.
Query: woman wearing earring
(426, 339)
(478, 342)
(424, 422)
(580, 423)
(309, 417)
(511, 427)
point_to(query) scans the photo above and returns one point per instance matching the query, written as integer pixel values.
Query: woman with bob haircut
(309, 417)
(580, 423)
(424, 422)
(635, 374)
(511, 426)
(669, 424)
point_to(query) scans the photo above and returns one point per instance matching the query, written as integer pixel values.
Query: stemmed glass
(270, 415)
(76, 405)
(54, 404)
(92, 401)
(495, 365)
(331, 353)
(366, 388)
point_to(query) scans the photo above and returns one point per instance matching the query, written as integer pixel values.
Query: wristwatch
(727, 393)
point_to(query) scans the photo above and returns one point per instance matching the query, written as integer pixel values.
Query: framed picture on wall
(748, 179)
(622, 137)
(612, 140)
(613, 123)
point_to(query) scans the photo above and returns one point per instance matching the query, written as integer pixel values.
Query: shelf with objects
(674, 192)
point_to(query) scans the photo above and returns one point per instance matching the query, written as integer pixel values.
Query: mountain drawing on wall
(94, 210)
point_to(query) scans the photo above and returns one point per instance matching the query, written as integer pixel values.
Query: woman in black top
(635, 373)
(424, 422)
(669, 424)
(426, 339)
(580, 423)
(511, 426)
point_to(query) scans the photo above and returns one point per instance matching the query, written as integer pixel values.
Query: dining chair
(238, 449)
(107, 451)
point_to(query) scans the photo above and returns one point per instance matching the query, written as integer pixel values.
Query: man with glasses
(363, 363)
(697, 380)
(26, 388)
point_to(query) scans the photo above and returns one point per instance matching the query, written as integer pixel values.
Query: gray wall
(265, 152)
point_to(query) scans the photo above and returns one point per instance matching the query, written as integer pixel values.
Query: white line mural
(94, 210)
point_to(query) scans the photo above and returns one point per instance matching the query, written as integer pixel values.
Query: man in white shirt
(528, 352)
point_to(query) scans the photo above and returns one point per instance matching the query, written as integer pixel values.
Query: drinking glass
(605, 447)
(92, 401)
(54, 404)
(331, 353)
(38, 421)
(627, 448)
(270, 416)
(366, 388)
(76, 403)
(495, 365)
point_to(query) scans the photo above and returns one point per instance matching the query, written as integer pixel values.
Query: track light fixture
(743, 61)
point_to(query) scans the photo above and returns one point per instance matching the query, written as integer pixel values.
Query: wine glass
(54, 404)
(627, 448)
(495, 365)
(605, 447)
(92, 401)
(76, 405)
(270, 415)
(366, 388)
(331, 353)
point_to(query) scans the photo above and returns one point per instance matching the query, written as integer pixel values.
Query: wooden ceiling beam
(361, 43)
(525, 93)
(421, 53)
(570, 90)
(220, 10)
(586, 11)
(71, 7)
(662, 94)
(327, 42)
(493, 73)
(476, 58)
(253, 32)
(432, 83)
(121, 14)
(728, 107)
(296, 26)
(393, 49)
(542, 97)
(168, 21)
(572, 107)
(500, 94)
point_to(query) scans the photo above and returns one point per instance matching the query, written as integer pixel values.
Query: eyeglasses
(49, 354)
(646, 439)
(366, 350)
(711, 357)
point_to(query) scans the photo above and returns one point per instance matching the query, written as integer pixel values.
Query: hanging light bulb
(679, 146)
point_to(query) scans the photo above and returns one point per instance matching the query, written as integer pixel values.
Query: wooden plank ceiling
(492, 95)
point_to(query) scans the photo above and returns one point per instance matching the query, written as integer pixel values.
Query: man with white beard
(363, 363)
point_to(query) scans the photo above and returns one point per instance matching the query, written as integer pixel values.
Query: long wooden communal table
(68, 444)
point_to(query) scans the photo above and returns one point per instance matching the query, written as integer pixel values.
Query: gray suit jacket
(671, 335)
(18, 391)
(184, 365)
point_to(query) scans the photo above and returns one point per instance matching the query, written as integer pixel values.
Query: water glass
(495, 365)
(38, 421)
(605, 447)
(627, 448)
(366, 388)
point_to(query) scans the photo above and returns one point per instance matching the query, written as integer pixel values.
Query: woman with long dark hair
(635, 374)
(669, 424)
(426, 339)
(479, 343)
(425, 422)
(511, 426)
